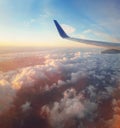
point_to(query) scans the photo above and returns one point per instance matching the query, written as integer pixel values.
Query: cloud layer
(68, 88)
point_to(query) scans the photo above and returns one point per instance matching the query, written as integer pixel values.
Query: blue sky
(30, 22)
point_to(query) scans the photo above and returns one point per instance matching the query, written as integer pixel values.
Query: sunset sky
(30, 22)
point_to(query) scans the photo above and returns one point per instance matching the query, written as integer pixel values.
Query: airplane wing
(114, 47)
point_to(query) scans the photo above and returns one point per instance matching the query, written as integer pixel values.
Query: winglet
(60, 30)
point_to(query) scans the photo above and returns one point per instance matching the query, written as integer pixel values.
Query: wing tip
(60, 30)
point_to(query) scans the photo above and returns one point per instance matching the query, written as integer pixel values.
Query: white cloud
(92, 91)
(26, 106)
(29, 23)
(68, 29)
(62, 72)
(45, 15)
(27, 77)
(71, 106)
(78, 75)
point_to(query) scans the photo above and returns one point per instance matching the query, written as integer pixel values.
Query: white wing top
(110, 45)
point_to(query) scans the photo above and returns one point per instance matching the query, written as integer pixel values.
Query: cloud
(76, 76)
(26, 106)
(29, 23)
(6, 97)
(4, 82)
(70, 93)
(115, 121)
(101, 35)
(68, 89)
(70, 107)
(45, 15)
(69, 29)
(27, 77)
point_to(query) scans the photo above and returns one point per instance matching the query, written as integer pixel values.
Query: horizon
(30, 23)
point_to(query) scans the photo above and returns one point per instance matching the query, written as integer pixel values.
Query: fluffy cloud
(71, 106)
(114, 122)
(26, 106)
(70, 86)
(27, 77)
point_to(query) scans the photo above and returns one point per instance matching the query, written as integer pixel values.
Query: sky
(30, 22)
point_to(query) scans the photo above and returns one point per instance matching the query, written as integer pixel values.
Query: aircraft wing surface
(110, 45)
